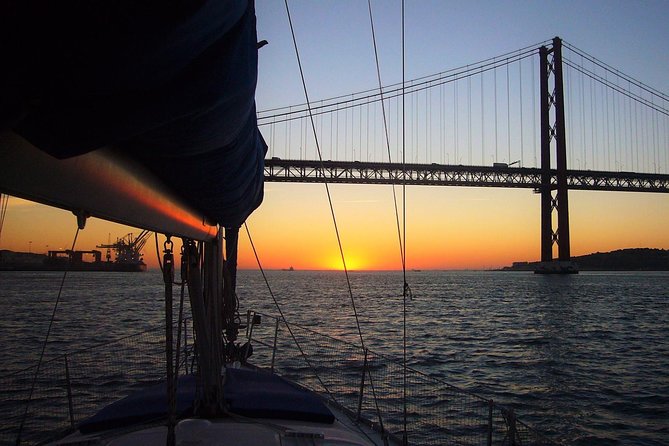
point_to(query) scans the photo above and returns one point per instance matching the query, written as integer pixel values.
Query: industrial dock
(127, 258)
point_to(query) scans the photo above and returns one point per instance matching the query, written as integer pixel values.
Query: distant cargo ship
(127, 249)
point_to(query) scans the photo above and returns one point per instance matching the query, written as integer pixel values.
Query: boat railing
(71, 387)
(369, 386)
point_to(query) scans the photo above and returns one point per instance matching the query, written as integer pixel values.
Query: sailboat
(149, 120)
(161, 137)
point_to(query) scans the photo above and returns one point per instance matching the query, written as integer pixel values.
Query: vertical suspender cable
(508, 113)
(534, 119)
(168, 277)
(495, 90)
(482, 126)
(455, 121)
(469, 119)
(520, 92)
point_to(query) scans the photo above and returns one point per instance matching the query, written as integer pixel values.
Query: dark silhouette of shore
(634, 259)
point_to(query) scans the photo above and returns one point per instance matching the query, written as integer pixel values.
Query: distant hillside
(635, 259)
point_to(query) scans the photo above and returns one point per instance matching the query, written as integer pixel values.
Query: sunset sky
(447, 227)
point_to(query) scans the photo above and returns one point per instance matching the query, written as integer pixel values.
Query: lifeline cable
(278, 307)
(397, 218)
(46, 340)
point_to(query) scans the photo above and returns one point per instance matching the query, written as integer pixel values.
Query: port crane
(128, 248)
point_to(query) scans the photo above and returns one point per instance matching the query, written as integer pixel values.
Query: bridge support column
(560, 202)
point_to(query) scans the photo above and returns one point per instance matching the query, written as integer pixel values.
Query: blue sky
(336, 48)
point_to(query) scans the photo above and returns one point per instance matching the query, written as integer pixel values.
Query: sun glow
(353, 263)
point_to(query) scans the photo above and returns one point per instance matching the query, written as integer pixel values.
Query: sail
(171, 85)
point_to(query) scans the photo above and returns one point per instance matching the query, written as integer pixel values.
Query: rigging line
(616, 87)
(160, 264)
(327, 188)
(283, 318)
(404, 246)
(46, 340)
(385, 128)
(4, 201)
(509, 57)
(616, 72)
(636, 133)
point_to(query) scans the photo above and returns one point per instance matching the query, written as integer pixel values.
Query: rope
(168, 277)
(160, 264)
(327, 188)
(385, 128)
(405, 439)
(46, 340)
(283, 318)
(4, 201)
(397, 218)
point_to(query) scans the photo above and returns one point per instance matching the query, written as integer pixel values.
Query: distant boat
(288, 269)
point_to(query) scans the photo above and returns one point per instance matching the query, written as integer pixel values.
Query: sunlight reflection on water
(585, 357)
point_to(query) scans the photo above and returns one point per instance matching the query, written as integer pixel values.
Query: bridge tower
(553, 134)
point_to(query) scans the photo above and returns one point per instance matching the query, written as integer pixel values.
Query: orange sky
(447, 227)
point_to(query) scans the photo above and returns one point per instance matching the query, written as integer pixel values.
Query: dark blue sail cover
(171, 83)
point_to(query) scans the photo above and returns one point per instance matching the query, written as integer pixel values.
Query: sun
(353, 263)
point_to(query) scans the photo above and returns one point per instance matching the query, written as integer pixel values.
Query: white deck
(238, 431)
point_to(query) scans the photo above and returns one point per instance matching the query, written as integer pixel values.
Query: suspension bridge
(548, 117)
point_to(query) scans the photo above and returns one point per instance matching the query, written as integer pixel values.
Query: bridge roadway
(359, 172)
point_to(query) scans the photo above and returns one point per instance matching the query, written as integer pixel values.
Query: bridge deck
(358, 172)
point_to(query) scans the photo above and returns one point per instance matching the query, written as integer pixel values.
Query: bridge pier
(553, 101)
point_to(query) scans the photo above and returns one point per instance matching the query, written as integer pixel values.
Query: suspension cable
(46, 340)
(327, 188)
(300, 112)
(610, 84)
(422, 82)
(614, 71)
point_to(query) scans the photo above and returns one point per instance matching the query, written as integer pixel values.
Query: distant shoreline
(633, 259)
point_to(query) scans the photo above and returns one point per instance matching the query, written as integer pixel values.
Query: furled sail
(172, 85)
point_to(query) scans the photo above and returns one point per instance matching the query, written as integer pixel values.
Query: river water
(584, 358)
